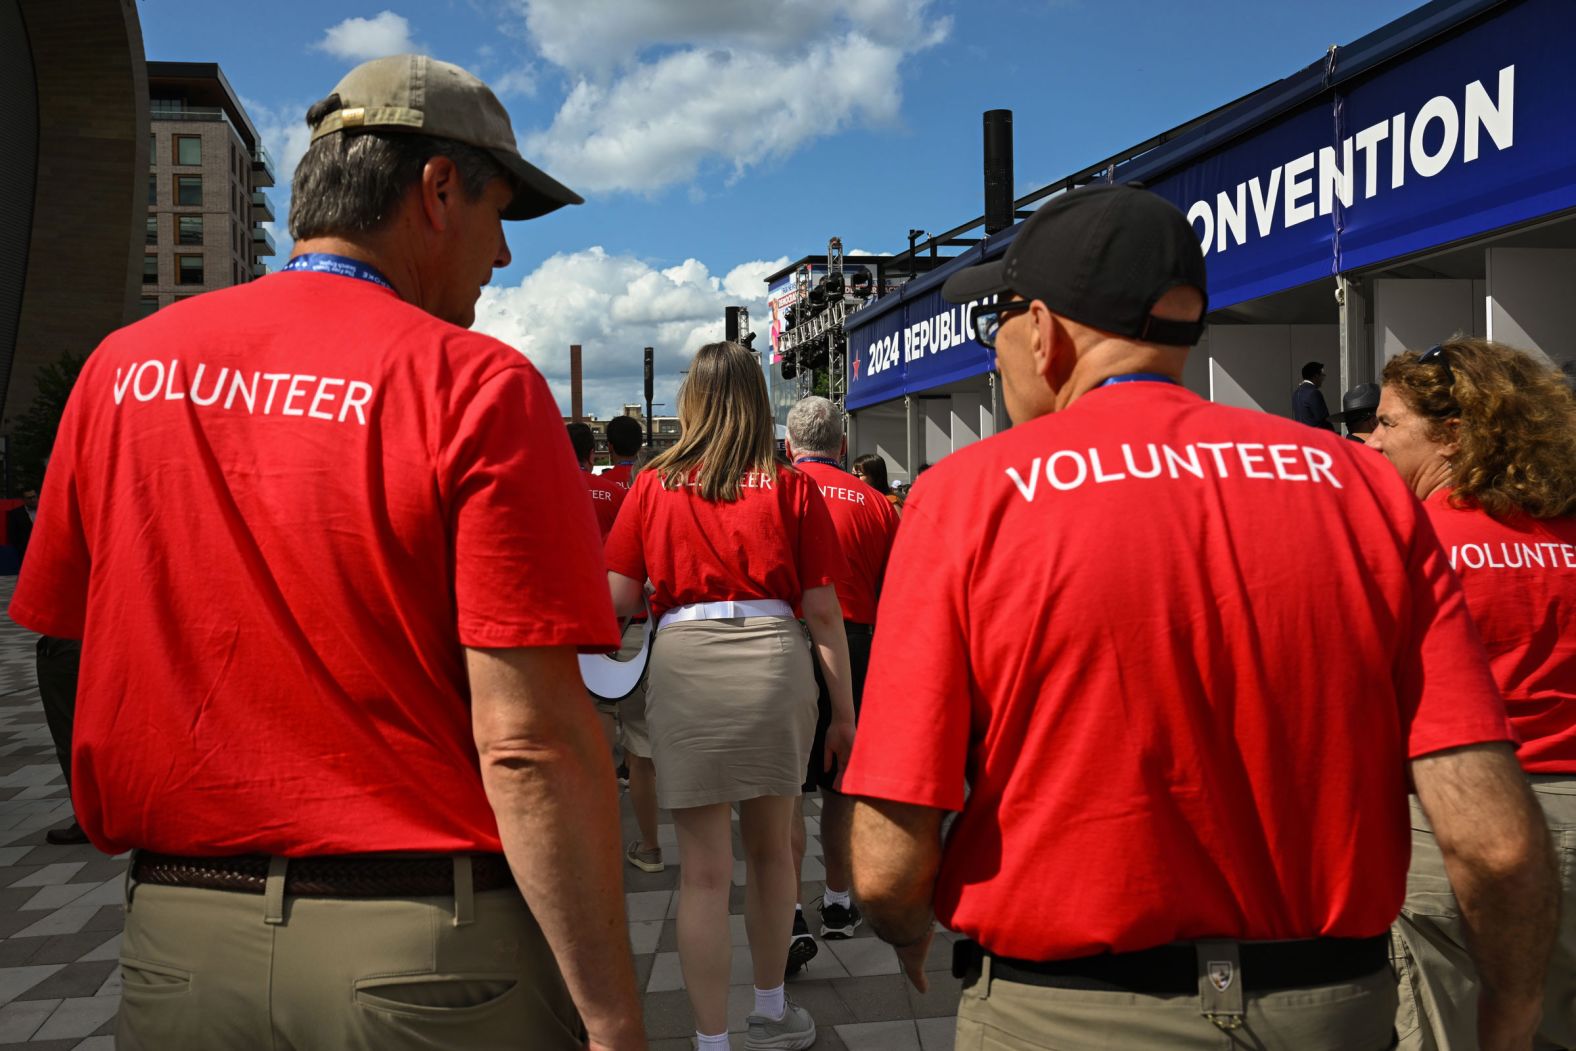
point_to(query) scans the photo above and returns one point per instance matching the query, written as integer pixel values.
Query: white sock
(837, 897)
(710, 1043)
(769, 1003)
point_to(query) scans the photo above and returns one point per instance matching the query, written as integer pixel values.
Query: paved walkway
(61, 917)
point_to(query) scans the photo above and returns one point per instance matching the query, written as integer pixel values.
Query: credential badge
(1221, 974)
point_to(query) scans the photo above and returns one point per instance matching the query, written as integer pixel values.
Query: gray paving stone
(55, 897)
(20, 1019)
(49, 875)
(75, 980)
(68, 920)
(78, 1017)
(97, 1043)
(936, 1034)
(879, 1036)
(14, 981)
(107, 950)
(861, 957)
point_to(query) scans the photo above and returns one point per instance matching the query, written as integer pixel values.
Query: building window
(150, 269)
(167, 105)
(190, 269)
(188, 149)
(153, 188)
(153, 230)
(188, 189)
(148, 305)
(190, 229)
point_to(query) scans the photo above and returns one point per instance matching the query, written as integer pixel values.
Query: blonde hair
(1517, 431)
(725, 424)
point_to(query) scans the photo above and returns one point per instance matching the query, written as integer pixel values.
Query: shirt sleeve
(820, 554)
(916, 712)
(528, 568)
(626, 553)
(1446, 689)
(52, 594)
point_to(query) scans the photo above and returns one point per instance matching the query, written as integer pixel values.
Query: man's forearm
(1495, 843)
(558, 817)
(895, 855)
(1511, 918)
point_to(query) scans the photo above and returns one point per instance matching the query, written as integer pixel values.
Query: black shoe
(623, 775)
(839, 921)
(70, 836)
(802, 949)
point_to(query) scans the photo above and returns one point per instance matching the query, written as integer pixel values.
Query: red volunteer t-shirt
(1181, 654)
(619, 474)
(606, 499)
(775, 542)
(866, 525)
(1519, 576)
(276, 514)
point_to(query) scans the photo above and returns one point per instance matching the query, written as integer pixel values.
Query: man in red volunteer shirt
(606, 497)
(866, 525)
(624, 436)
(1183, 824)
(330, 558)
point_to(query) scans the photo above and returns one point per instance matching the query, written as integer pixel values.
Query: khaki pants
(1008, 1016)
(1439, 987)
(204, 969)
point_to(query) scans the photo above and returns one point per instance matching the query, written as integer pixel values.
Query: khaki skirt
(730, 709)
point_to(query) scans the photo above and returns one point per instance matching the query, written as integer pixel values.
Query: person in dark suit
(19, 522)
(1307, 404)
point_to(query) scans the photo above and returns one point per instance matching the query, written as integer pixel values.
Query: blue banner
(920, 343)
(1488, 121)
(1473, 132)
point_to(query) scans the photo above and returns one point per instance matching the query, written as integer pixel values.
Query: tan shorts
(202, 970)
(1439, 984)
(731, 710)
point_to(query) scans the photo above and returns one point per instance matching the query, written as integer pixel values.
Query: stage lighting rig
(812, 337)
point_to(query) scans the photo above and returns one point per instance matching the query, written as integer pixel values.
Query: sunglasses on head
(1435, 355)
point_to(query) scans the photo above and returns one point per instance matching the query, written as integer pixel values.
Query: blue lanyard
(818, 459)
(344, 266)
(1139, 377)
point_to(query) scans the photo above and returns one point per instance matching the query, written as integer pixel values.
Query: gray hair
(352, 183)
(815, 426)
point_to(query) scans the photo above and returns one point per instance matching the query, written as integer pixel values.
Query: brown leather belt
(348, 876)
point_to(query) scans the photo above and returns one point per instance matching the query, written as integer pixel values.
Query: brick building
(206, 172)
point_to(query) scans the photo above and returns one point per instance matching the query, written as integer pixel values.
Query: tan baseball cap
(420, 94)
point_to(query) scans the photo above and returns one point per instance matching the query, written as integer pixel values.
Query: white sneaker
(794, 1031)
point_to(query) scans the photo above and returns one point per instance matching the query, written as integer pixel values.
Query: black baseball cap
(1103, 256)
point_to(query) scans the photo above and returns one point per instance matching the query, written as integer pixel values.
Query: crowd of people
(1201, 727)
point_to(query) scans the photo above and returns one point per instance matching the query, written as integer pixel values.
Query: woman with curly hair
(732, 541)
(1486, 437)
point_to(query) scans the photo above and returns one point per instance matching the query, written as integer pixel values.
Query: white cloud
(360, 39)
(285, 135)
(659, 89)
(614, 305)
(520, 81)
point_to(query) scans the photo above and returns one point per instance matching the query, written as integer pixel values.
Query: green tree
(34, 433)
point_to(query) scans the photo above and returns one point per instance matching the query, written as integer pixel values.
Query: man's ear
(440, 187)
(1049, 342)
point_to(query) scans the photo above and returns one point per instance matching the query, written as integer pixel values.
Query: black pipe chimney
(998, 170)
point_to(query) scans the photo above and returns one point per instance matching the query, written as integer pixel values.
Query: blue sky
(715, 140)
